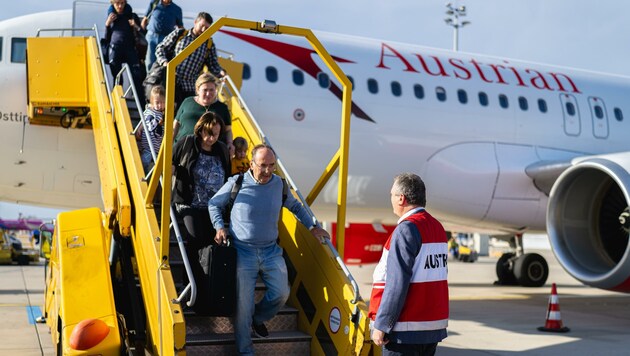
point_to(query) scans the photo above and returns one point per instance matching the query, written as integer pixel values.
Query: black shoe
(260, 330)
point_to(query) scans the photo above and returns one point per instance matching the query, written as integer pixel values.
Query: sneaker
(260, 330)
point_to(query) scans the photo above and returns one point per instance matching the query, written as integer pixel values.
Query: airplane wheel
(531, 270)
(505, 274)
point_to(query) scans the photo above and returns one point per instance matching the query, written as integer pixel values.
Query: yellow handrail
(342, 153)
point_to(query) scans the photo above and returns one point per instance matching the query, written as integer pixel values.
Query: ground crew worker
(412, 269)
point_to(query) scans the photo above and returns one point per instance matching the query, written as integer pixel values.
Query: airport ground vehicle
(461, 247)
(19, 241)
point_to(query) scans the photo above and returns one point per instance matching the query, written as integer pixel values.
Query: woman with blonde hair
(205, 101)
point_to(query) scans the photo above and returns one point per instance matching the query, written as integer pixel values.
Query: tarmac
(21, 302)
(485, 319)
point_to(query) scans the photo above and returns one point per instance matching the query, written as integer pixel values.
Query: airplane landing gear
(504, 270)
(531, 270)
(525, 269)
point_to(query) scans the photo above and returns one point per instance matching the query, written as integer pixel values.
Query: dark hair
(239, 143)
(260, 147)
(204, 16)
(206, 122)
(412, 187)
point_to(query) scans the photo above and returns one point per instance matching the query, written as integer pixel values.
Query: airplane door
(599, 117)
(571, 115)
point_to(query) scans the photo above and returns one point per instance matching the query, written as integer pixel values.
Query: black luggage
(156, 76)
(219, 264)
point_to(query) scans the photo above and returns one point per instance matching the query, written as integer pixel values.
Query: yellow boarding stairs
(109, 285)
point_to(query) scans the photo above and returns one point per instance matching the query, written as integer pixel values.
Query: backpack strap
(208, 44)
(228, 208)
(181, 36)
(154, 4)
(235, 188)
(285, 190)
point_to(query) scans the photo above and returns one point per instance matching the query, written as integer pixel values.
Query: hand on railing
(321, 234)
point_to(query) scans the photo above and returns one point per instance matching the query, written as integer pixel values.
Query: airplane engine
(588, 221)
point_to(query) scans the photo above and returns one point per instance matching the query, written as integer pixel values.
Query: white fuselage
(426, 116)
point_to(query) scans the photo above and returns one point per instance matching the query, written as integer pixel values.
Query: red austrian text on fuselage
(467, 69)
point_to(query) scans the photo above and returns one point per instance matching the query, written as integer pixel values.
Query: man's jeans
(250, 262)
(153, 39)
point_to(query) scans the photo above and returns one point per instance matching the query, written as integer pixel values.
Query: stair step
(215, 335)
(285, 320)
(281, 342)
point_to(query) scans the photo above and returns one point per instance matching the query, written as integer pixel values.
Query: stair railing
(191, 288)
(231, 90)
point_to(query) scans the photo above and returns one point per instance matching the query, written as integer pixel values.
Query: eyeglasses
(265, 166)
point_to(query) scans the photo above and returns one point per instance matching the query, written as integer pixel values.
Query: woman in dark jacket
(119, 34)
(201, 165)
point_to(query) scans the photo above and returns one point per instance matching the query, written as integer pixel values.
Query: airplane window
(483, 98)
(18, 50)
(618, 114)
(570, 108)
(272, 74)
(247, 71)
(440, 93)
(396, 89)
(372, 86)
(351, 81)
(462, 96)
(298, 77)
(0, 48)
(503, 101)
(522, 103)
(599, 113)
(542, 105)
(418, 91)
(323, 79)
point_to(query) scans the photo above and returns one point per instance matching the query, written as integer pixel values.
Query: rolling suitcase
(219, 264)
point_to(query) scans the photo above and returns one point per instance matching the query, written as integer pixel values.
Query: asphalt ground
(21, 301)
(487, 319)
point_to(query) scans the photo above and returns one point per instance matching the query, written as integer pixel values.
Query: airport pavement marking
(33, 313)
(4, 305)
(489, 297)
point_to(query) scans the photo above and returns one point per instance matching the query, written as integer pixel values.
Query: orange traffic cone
(554, 321)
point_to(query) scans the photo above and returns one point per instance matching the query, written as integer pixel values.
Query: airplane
(504, 146)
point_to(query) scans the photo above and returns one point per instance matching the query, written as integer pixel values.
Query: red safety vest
(426, 304)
